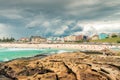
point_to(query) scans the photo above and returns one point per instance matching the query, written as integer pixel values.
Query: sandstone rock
(65, 66)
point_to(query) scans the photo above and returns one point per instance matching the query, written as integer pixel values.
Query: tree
(7, 39)
(0, 40)
(3, 40)
(118, 41)
(12, 39)
(114, 35)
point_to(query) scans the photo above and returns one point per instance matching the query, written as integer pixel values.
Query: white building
(55, 40)
(70, 38)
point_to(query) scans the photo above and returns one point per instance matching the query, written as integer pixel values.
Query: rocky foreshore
(64, 66)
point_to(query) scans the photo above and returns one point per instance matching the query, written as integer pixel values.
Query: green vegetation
(113, 36)
(109, 40)
(80, 41)
(7, 39)
(118, 41)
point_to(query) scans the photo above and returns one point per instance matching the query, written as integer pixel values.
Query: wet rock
(2, 77)
(41, 55)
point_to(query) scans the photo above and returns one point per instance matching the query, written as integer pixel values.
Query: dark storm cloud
(47, 17)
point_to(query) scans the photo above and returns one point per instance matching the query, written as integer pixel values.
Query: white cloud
(58, 17)
(11, 13)
(33, 24)
(80, 3)
(61, 30)
(101, 26)
(46, 24)
(4, 30)
(7, 30)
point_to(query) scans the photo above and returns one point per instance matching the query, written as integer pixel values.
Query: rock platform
(64, 66)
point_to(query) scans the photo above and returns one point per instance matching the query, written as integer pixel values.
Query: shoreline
(85, 48)
(93, 47)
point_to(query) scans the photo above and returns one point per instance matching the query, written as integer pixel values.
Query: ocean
(7, 54)
(115, 49)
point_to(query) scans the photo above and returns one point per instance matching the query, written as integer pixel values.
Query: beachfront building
(24, 40)
(70, 38)
(79, 37)
(50, 40)
(37, 39)
(55, 40)
(60, 40)
(95, 37)
(103, 36)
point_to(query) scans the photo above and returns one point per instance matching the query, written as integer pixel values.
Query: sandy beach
(59, 46)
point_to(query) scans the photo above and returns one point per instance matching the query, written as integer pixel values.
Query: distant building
(103, 36)
(50, 40)
(79, 37)
(24, 39)
(55, 40)
(95, 37)
(70, 38)
(37, 39)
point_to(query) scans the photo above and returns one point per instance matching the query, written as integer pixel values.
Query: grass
(108, 40)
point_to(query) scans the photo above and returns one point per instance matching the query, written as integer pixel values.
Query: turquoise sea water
(7, 54)
(116, 49)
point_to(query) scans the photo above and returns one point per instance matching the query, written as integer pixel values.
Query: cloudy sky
(22, 18)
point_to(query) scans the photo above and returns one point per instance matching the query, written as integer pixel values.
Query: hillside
(110, 40)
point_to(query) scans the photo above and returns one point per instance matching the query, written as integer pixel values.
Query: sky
(25, 18)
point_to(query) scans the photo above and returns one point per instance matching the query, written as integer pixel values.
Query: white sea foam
(19, 49)
(53, 52)
(5, 59)
(63, 51)
(113, 47)
(18, 52)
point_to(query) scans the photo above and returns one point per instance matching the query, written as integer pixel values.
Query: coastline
(93, 47)
(63, 66)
